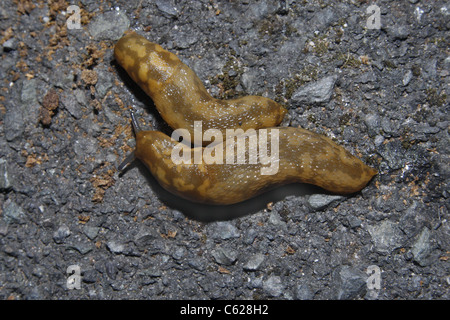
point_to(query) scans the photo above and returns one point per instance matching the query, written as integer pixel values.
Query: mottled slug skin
(304, 157)
(181, 98)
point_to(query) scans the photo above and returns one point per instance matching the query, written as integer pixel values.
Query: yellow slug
(180, 96)
(227, 171)
(297, 155)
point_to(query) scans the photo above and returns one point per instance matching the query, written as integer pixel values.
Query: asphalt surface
(376, 80)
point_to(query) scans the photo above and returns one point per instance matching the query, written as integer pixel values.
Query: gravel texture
(64, 127)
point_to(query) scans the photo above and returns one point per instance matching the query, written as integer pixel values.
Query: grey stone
(321, 201)
(447, 62)
(167, 7)
(148, 276)
(379, 139)
(109, 26)
(430, 69)
(413, 219)
(315, 93)
(389, 128)
(3, 228)
(80, 246)
(115, 246)
(145, 237)
(223, 230)
(324, 18)
(273, 286)
(61, 234)
(393, 153)
(110, 268)
(85, 146)
(354, 222)
(38, 271)
(372, 122)
(255, 282)
(275, 219)
(254, 262)
(367, 77)
(13, 213)
(349, 283)
(5, 179)
(249, 236)
(197, 263)
(64, 79)
(349, 134)
(104, 83)
(248, 80)
(10, 44)
(303, 292)
(386, 236)
(91, 232)
(80, 97)
(28, 94)
(423, 247)
(36, 293)
(426, 128)
(110, 114)
(90, 276)
(225, 256)
(399, 32)
(407, 77)
(179, 253)
(185, 37)
(71, 104)
(14, 123)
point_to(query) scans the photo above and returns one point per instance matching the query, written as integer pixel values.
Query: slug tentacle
(134, 123)
(130, 157)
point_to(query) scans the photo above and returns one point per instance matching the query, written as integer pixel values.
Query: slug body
(304, 157)
(180, 96)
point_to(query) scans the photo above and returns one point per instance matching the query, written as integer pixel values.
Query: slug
(300, 156)
(180, 96)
